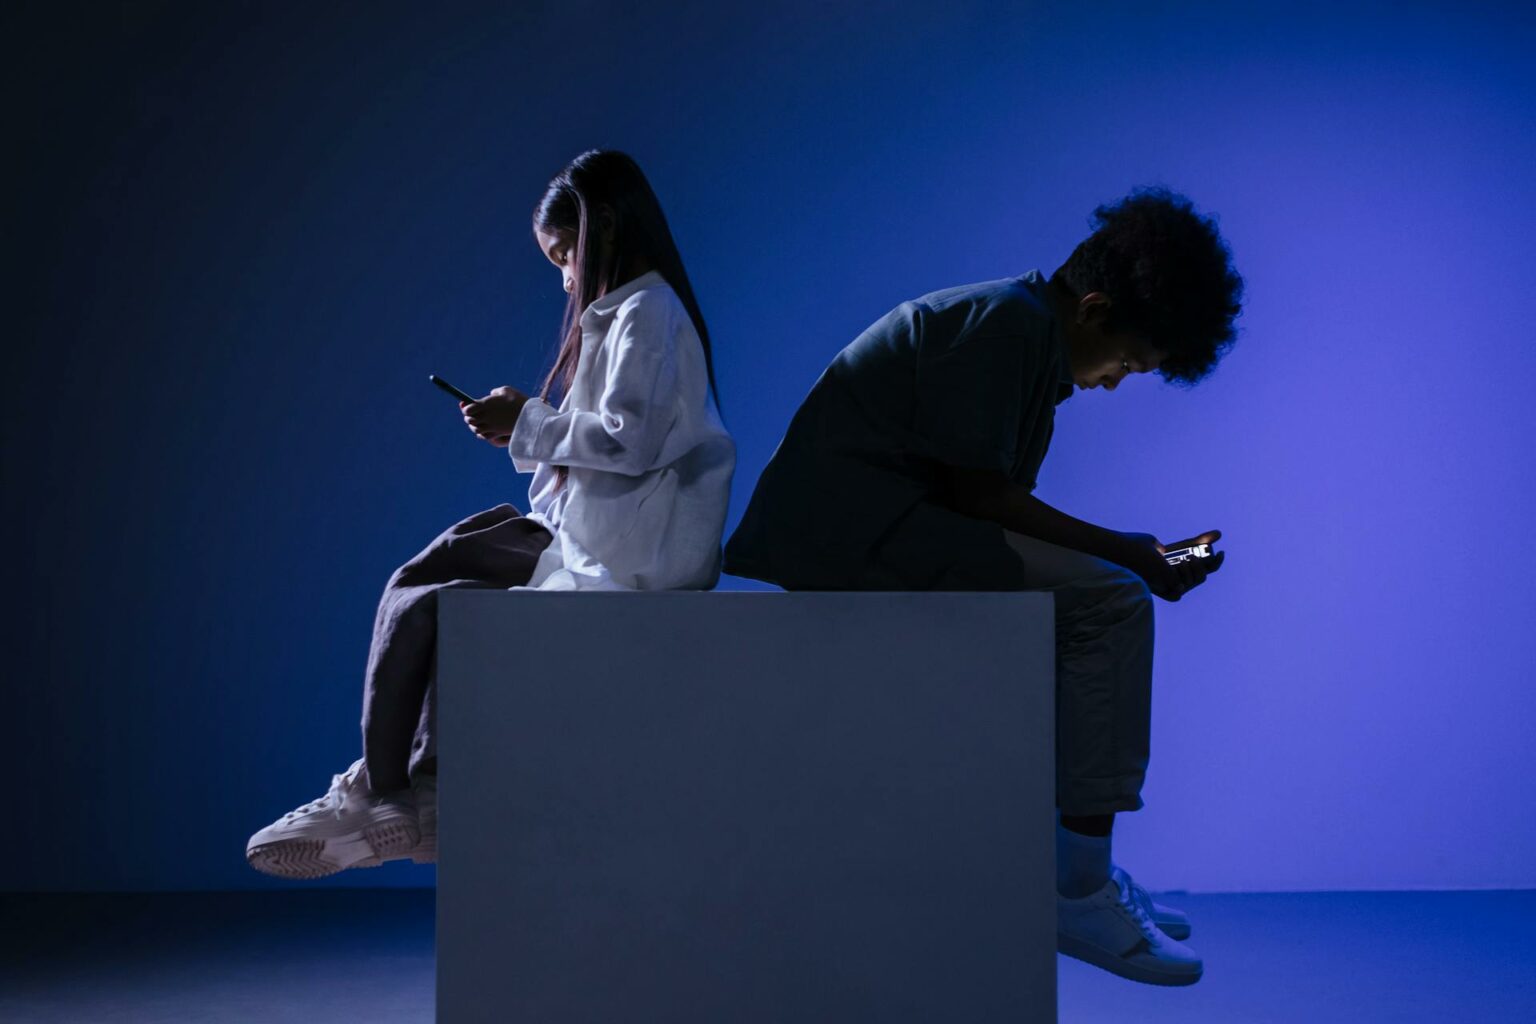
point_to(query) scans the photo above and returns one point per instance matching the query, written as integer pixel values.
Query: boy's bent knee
(1134, 589)
(1119, 589)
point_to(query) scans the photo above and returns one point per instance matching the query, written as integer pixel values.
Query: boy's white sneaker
(1173, 922)
(347, 827)
(1111, 929)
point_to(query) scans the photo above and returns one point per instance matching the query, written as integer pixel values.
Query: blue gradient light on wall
(247, 236)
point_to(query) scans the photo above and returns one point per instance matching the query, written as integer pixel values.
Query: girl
(632, 472)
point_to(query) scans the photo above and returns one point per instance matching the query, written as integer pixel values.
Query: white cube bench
(745, 807)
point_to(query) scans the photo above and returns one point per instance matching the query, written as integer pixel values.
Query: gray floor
(366, 955)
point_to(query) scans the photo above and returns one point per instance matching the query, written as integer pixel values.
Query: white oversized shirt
(649, 461)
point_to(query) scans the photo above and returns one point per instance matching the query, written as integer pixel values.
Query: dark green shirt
(853, 497)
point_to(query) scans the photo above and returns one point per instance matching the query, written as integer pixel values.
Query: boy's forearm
(995, 498)
(1024, 513)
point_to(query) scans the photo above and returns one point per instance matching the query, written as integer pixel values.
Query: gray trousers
(1103, 640)
(1103, 675)
(494, 549)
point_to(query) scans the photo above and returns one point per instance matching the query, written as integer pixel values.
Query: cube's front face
(746, 807)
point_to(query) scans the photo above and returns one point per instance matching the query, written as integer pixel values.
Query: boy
(911, 466)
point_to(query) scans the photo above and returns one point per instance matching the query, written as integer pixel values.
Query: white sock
(1082, 863)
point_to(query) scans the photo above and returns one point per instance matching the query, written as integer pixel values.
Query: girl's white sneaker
(423, 796)
(1112, 930)
(347, 827)
(424, 789)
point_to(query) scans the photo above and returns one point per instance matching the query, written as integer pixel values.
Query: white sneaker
(424, 788)
(347, 827)
(1173, 922)
(423, 797)
(1111, 929)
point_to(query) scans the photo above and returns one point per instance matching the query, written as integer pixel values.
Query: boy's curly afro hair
(1168, 275)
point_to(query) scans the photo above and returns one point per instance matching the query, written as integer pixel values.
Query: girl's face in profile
(559, 248)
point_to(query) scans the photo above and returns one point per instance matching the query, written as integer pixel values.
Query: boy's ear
(1093, 308)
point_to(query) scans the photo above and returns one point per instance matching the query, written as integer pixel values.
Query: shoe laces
(1134, 900)
(1138, 893)
(334, 797)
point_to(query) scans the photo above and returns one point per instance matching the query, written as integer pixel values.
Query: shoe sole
(426, 850)
(306, 858)
(1088, 953)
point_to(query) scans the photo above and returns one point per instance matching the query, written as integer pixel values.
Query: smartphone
(455, 392)
(1185, 554)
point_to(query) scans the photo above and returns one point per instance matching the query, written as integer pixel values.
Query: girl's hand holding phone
(493, 417)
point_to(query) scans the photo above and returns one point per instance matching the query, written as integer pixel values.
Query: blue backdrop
(241, 235)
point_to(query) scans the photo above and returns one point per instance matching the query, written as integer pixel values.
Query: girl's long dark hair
(607, 178)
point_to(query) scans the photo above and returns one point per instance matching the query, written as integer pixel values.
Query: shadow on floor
(367, 955)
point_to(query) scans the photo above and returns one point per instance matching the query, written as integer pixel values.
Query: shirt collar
(1040, 285)
(606, 304)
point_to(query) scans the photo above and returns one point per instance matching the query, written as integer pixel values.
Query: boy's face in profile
(1100, 357)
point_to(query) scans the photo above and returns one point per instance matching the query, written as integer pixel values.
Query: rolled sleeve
(525, 434)
(635, 410)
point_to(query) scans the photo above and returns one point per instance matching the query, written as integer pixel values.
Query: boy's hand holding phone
(1145, 556)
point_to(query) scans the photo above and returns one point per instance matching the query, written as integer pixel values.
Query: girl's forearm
(628, 445)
